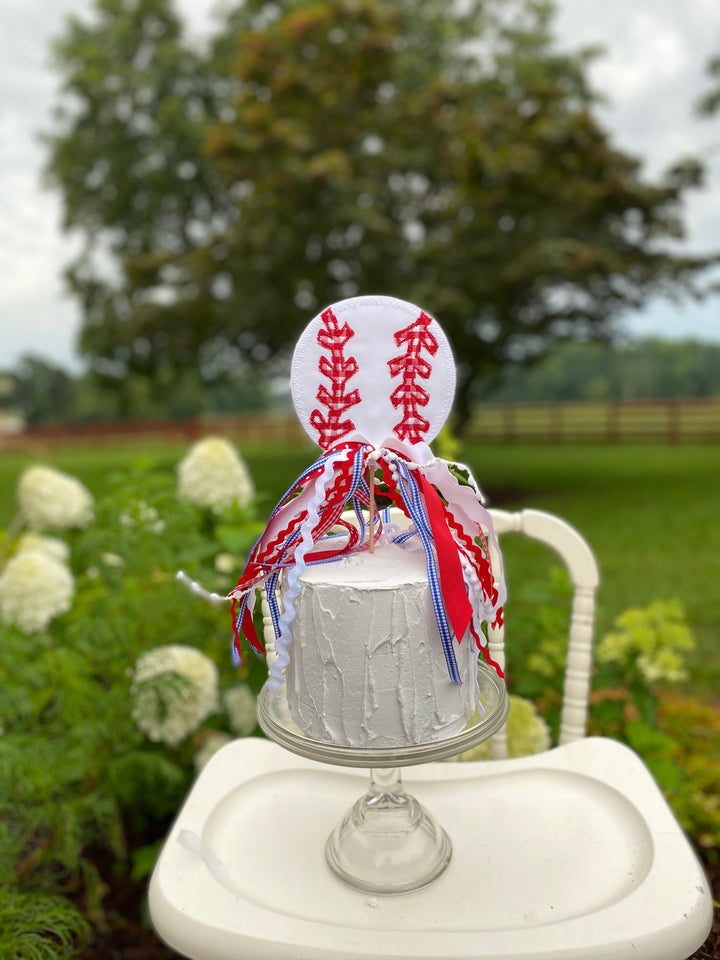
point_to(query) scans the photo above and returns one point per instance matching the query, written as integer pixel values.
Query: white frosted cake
(366, 666)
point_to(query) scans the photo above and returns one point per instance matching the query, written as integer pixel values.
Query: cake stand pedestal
(388, 842)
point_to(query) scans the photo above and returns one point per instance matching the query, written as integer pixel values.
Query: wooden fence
(256, 429)
(639, 421)
(642, 421)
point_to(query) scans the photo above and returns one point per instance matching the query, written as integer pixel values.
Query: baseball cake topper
(375, 369)
(372, 381)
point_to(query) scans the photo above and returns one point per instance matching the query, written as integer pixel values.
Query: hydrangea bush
(116, 682)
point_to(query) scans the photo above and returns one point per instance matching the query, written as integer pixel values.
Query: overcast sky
(651, 74)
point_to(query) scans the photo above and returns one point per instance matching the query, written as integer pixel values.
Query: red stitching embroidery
(409, 394)
(338, 369)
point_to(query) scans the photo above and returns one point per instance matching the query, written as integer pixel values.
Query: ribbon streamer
(464, 574)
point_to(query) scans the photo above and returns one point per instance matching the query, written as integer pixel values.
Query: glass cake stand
(387, 842)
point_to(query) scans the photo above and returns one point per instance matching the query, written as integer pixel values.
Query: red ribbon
(457, 605)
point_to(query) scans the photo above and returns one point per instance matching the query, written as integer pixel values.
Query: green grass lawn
(651, 514)
(273, 468)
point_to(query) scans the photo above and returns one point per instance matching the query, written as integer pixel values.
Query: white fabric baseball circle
(375, 369)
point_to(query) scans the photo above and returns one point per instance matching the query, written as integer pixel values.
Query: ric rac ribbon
(461, 551)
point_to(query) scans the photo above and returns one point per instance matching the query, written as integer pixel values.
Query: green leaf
(144, 860)
(646, 703)
(608, 712)
(39, 927)
(237, 539)
(666, 772)
(646, 739)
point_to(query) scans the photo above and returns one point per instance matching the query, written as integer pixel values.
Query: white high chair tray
(552, 858)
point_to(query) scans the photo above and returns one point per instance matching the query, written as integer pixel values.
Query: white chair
(582, 568)
(572, 854)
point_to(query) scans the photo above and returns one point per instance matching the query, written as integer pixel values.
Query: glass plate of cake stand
(387, 842)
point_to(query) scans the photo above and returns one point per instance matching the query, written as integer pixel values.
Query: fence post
(509, 423)
(612, 424)
(673, 421)
(556, 423)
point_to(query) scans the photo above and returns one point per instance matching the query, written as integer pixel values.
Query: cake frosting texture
(366, 666)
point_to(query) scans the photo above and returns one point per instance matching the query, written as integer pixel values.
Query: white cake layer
(367, 667)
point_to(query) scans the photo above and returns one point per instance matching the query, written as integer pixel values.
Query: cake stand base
(388, 842)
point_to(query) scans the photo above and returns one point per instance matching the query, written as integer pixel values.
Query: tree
(126, 156)
(638, 370)
(323, 149)
(42, 391)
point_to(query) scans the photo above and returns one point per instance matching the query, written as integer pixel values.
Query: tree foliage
(640, 370)
(321, 149)
(42, 392)
(709, 103)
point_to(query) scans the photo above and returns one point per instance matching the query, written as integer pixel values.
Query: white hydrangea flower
(112, 560)
(50, 499)
(665, 665)
(653, 639)
(175, 688)
(149, 517)
(34, 589)
(527, 732)
(241, 708)
(213, 742)
(213, 474)
(50, 546)
(613, 648)
(227, 562)
(143, 515)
